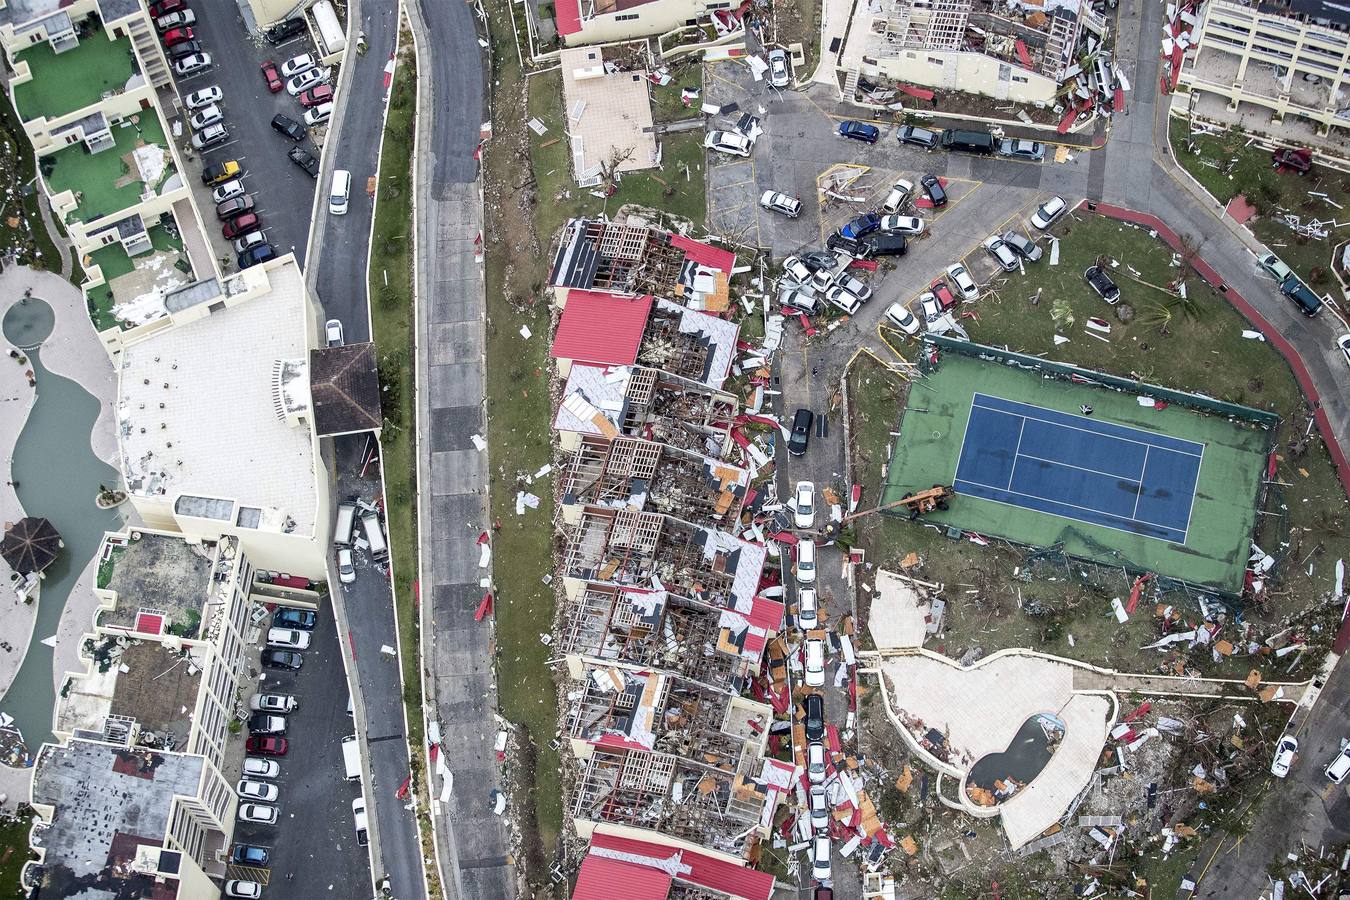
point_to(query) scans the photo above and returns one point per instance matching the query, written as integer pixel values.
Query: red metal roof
(601, 329)
(766, 613)
(567, 16)
(1022, 53)
(705, 254)
(602, 878)
(696, 868)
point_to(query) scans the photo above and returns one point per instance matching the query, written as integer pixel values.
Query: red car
(269, 70)
(943, 293)
(164, 7)
(266, 746)
(241, 226)
(322, 93)
(177, 36)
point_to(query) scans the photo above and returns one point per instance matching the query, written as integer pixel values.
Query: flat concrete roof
(158, 572)
(149, 683)
(615, 114)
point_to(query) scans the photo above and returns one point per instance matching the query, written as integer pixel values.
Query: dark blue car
(861, 226)
(249, 855)
(254, 255)
(859, 131)
(294, 618)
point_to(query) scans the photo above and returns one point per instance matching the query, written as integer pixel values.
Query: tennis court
(1078, 467)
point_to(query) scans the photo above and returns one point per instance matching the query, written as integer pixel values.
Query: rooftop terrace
(146, 684)
(112, 180)
(63, 83)
(160, 581)
(134, 286)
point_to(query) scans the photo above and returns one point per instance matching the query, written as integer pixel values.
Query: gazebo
(30, 545)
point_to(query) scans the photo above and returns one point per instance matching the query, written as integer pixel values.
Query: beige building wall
(269, 12)
(961, 70)
(647, 20)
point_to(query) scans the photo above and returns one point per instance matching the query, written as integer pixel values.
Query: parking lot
(282, 192)
(313, 847)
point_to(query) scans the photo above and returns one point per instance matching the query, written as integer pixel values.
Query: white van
(339, 192)
(806, 562)
(370, 523)
(346, 523)
(351, 757)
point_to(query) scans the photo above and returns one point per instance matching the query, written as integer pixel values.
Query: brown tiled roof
(344, 386)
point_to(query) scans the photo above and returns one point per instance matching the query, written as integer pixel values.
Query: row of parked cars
(963, 140)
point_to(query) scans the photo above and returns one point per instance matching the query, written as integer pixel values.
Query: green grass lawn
(13, 853)
(1240, 169)
(113, 262)
(667, 105)
(108, 182)
(67, 82)
(21, 227)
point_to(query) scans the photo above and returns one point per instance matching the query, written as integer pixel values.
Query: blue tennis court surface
(1079, 468)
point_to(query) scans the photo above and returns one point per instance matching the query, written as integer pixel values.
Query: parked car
(346, 569)
(884, 244)
(854, 248)
(307, 161)
(943, 294)
(210, 136)
(819, 806)
(275, 658)
(900, 316)
(249, 855)
(261, 768)
(259, 253)
(804, 505)
(1046, 214)
(264, 723)
(307, 79)
(780, 72)
(918, 137)
(319, 114)
(796, 298)
(821, 279)
(820, 857)
(289, 127)
(961, 277)
(903, 224)
(241, 226)
(899, 195)
(1298, 161)
(1024, 246)
(796, 270)
(209, 115)
(1285, 752)
(779, 202)
(815, 662)
(1001, 252)
(304, 619)
(288, 638)
(164, 7)
(1100, 282)
(191, 65)
(1339, 766)
(185, 49)
(801, 432)
(730, 142)
(297, 64)
(220, 172)
(845, 301)
(284, 31)
(1275, 267)
(808, 608)
(174, 20)
(1343, 344)
(806, 562)
(316, 95)
(333, 332)
(273, 703)
(859, 131)
(175, 36)
(248, 241)
(930, 306)
(233, 208)
(266, 746)
(860, 226)
(258, 812)
(228, 191)
(1016, 148)
(813, 719)
(854, 286)
(1307, 302)
(271, 76)
(248, 789)
(360, 820)
(204, 97)
(815, 762)
(932, 186)
(240, 888)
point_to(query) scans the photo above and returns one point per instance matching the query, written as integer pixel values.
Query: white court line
(1055, 462)
(1087, 430)
(1099, 512)
(1017, 452)
(1140, 492)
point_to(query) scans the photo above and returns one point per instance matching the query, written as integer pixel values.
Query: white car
(209, 115)
(228, 191)
(841, 298)
(256, 767)
(797, 298)
(192, 64)
(1001, 252)
(204, 97)
(797, 270)
(820, 807)
(854, 286)
(346, 571)
(273, 703)
(779, 202)
(808, 609)
(900, 316)
(319, 114)
(730, 142)
(932, 308)
(899, 195)
(1275, 267)
(965, 285)
(332, 330)
(248, 890)
(210, 136)
(307, 79)
(1285, 752)
(804, 505)
(289, 638)
(1046, 214)
(258, 812)
(297, 64)
(780, 73)
(176, 20)
(1340, 766)
(903, 224)
(249, 241)
(248, 789)
(820, 857)
(1343, 344)
(815, 762)
(806, 562)
(815, 662)
(822, 280)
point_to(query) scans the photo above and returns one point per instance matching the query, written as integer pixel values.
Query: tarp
(916, 92)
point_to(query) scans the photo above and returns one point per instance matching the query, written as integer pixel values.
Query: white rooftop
(227, 383)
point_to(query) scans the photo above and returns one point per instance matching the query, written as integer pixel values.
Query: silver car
(779, 202)
(780, 72)
(1001, 252)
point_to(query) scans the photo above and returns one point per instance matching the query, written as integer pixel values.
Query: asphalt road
(282, 192)
(315, 838)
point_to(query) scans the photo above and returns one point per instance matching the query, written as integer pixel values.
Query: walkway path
(1166, 686)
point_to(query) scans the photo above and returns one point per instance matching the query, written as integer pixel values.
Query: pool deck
(72, 350)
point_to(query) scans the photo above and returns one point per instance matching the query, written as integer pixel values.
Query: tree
(1157, 315)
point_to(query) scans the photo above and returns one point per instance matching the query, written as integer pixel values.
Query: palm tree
(1157, 315)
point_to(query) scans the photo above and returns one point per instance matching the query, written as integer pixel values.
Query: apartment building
(610, 21)
(1280, 70)
(90, 85)
(216, 420)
